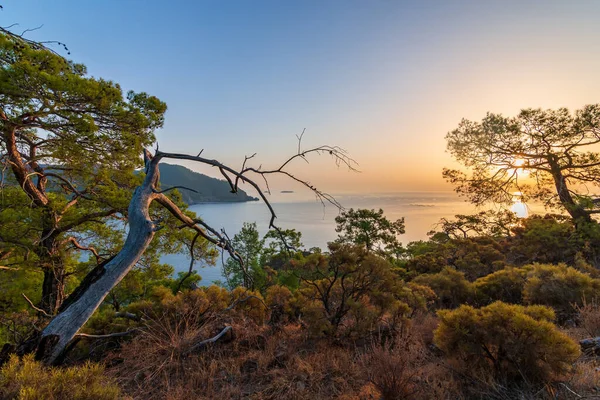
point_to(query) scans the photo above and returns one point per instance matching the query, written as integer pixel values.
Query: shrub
(393, 368)
(559, 287)
(278, 300)
(589, 317)
(544, 239)
(505, 285)
(27, 379)
(449, 285)
(249, 303)
(350, 288)
(507, 342)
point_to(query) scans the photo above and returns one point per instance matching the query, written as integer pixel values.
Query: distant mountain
(210, 190)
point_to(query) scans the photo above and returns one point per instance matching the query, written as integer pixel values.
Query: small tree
(371, 229)
(249, 246)
(348, 282)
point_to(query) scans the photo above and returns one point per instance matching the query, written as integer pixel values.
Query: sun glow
(519, 162)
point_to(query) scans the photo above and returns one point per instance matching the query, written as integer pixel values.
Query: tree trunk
(577, 212)
(80, 306)
(53, 287)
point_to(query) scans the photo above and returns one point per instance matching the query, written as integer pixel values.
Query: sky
(383, 79)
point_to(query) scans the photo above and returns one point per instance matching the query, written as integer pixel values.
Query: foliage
(27, 379)
(350, 287)
(266, 259)
(248, 244)
(71, 144)
(278, 300)
(474, 256)
(544, 239)
(560, 287)
(450, 286)
(505, 285)
(545, 155)
(371, 229)
(508, 342)
(484, 223)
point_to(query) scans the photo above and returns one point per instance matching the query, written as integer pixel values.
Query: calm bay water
(421, 210)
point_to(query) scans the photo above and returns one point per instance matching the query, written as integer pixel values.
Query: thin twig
(44, 313)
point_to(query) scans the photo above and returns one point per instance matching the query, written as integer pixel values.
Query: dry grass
(589, 317)
(253, 366)
(258, 363)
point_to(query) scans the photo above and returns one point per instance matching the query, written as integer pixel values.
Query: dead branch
(108, 335)
(207, 342)
(340, 157)
(44, 313)
(197, 225)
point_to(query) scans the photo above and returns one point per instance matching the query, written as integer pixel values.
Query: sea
(422, 211)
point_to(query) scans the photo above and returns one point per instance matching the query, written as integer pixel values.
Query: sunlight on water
(518, 206)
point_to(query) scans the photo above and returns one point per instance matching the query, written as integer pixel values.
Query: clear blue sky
(384, 79)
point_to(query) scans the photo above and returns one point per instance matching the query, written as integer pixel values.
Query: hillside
(209, 189)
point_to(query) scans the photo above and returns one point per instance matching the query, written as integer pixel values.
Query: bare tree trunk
(80, 306)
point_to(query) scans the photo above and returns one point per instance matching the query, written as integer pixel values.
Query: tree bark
(53, 286)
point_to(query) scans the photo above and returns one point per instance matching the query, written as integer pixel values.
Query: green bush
(349, 291)
(559, 287)
(450, 286)
(27, 379)
(506, 342)
(505, 285)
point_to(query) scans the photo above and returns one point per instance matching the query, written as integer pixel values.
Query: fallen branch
(108, 335)
(210, 341)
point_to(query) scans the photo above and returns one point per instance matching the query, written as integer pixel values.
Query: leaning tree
(80, 306)
(550, 156)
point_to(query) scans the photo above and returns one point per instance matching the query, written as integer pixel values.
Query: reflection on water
(518, 206)
(421, 210)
